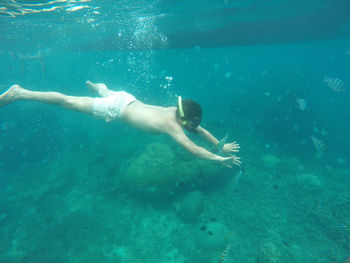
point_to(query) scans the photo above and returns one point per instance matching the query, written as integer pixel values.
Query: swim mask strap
(181, 111)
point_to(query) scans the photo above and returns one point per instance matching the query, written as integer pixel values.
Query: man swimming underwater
(120, 105)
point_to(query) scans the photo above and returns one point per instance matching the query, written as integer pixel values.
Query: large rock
(162, 171)
(309, 181)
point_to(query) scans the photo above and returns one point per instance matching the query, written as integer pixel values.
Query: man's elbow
(195, 151)
(196, 154)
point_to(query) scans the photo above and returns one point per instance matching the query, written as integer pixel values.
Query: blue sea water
(78, 189)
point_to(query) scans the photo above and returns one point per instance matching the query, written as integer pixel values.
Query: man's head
(190, 113)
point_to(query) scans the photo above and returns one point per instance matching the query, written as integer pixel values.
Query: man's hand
(230, 148)
(231, 160)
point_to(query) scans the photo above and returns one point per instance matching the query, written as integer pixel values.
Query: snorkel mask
(189, 125)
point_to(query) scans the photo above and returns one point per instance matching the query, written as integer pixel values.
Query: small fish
(335, 84)
(318, 144)
(343, 226)
(302, 105)
(320, 209)
(341, 160)
(220, 145)
(224, 254)
(229, 235)
(238, 175)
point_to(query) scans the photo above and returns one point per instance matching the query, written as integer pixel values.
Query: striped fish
(229, 235)
(318, 144)
(335, 84)
(224, 254)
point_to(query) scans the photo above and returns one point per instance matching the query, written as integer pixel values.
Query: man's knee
(69, 102)
(82, 104)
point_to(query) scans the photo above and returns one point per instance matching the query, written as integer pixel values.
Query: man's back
(150, 118)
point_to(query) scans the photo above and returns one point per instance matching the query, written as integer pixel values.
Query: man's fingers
(232, 160)
(237, 163)
(236, 160)
(234, 148)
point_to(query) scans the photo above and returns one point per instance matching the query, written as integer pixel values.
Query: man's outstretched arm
(228, 148)
(180, 137)
(207, 135)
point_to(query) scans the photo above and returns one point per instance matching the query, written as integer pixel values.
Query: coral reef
(212, 236)
(162, 172)
(268, 253)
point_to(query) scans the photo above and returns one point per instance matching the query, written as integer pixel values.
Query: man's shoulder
(172, 125)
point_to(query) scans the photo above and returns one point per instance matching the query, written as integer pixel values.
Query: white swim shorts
(112, 107)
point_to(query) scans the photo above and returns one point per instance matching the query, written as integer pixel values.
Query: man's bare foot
(96, 86)
(101, 88)
(11, 95)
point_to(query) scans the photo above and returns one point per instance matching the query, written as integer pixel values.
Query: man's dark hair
(192, 114)
(191, 109)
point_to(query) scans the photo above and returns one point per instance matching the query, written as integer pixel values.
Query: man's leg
(101, 88)
(16, 92)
